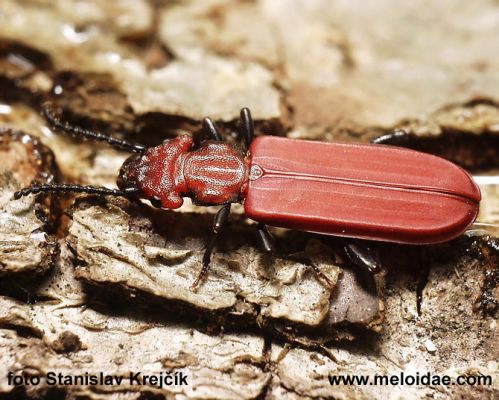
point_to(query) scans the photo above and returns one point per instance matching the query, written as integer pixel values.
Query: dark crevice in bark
(471, 151)
(22, 330)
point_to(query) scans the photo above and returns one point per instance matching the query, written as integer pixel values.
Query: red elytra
(368, 191)
(365, 191)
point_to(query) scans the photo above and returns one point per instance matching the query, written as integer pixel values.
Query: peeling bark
(24, 246)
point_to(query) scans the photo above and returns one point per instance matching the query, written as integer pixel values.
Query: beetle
(364, 191)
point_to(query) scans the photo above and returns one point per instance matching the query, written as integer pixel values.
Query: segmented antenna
(56, 122)
(68, 187)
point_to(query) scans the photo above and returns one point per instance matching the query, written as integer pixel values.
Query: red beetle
(364, 191)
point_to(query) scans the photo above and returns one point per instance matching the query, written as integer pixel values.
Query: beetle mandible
(364, 191)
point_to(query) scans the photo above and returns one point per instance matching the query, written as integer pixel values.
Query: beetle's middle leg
(219, 223)
(267, 242)
(361, 254)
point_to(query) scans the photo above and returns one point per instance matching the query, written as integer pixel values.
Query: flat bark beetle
(364, 191)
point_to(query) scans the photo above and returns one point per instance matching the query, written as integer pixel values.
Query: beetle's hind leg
(267, 242)
(219, 223)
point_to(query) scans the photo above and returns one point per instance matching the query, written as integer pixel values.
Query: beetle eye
(155, 202)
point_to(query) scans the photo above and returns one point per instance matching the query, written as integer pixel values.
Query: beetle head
(132, 175)
(156, 174)
(128, 178)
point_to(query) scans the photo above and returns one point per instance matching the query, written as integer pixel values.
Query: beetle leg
(363, 256)
(424, 273)
(246, 127)
(210, 128)
(267, 242)
(309, 263)
(266, 239)
(396, 138)
(221, 219)
(206, 262)
(219, 223)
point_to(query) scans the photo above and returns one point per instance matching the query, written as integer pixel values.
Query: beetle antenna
(68, 188)
(56, 122)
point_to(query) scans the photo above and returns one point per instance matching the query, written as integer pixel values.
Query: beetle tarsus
(309, 263)
(424, 273)
(219, 223)
(206, 262)
(319, 273)
(267, 243)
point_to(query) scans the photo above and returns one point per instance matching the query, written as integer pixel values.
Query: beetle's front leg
(267, 242)
(211, 129)
(219, 223)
